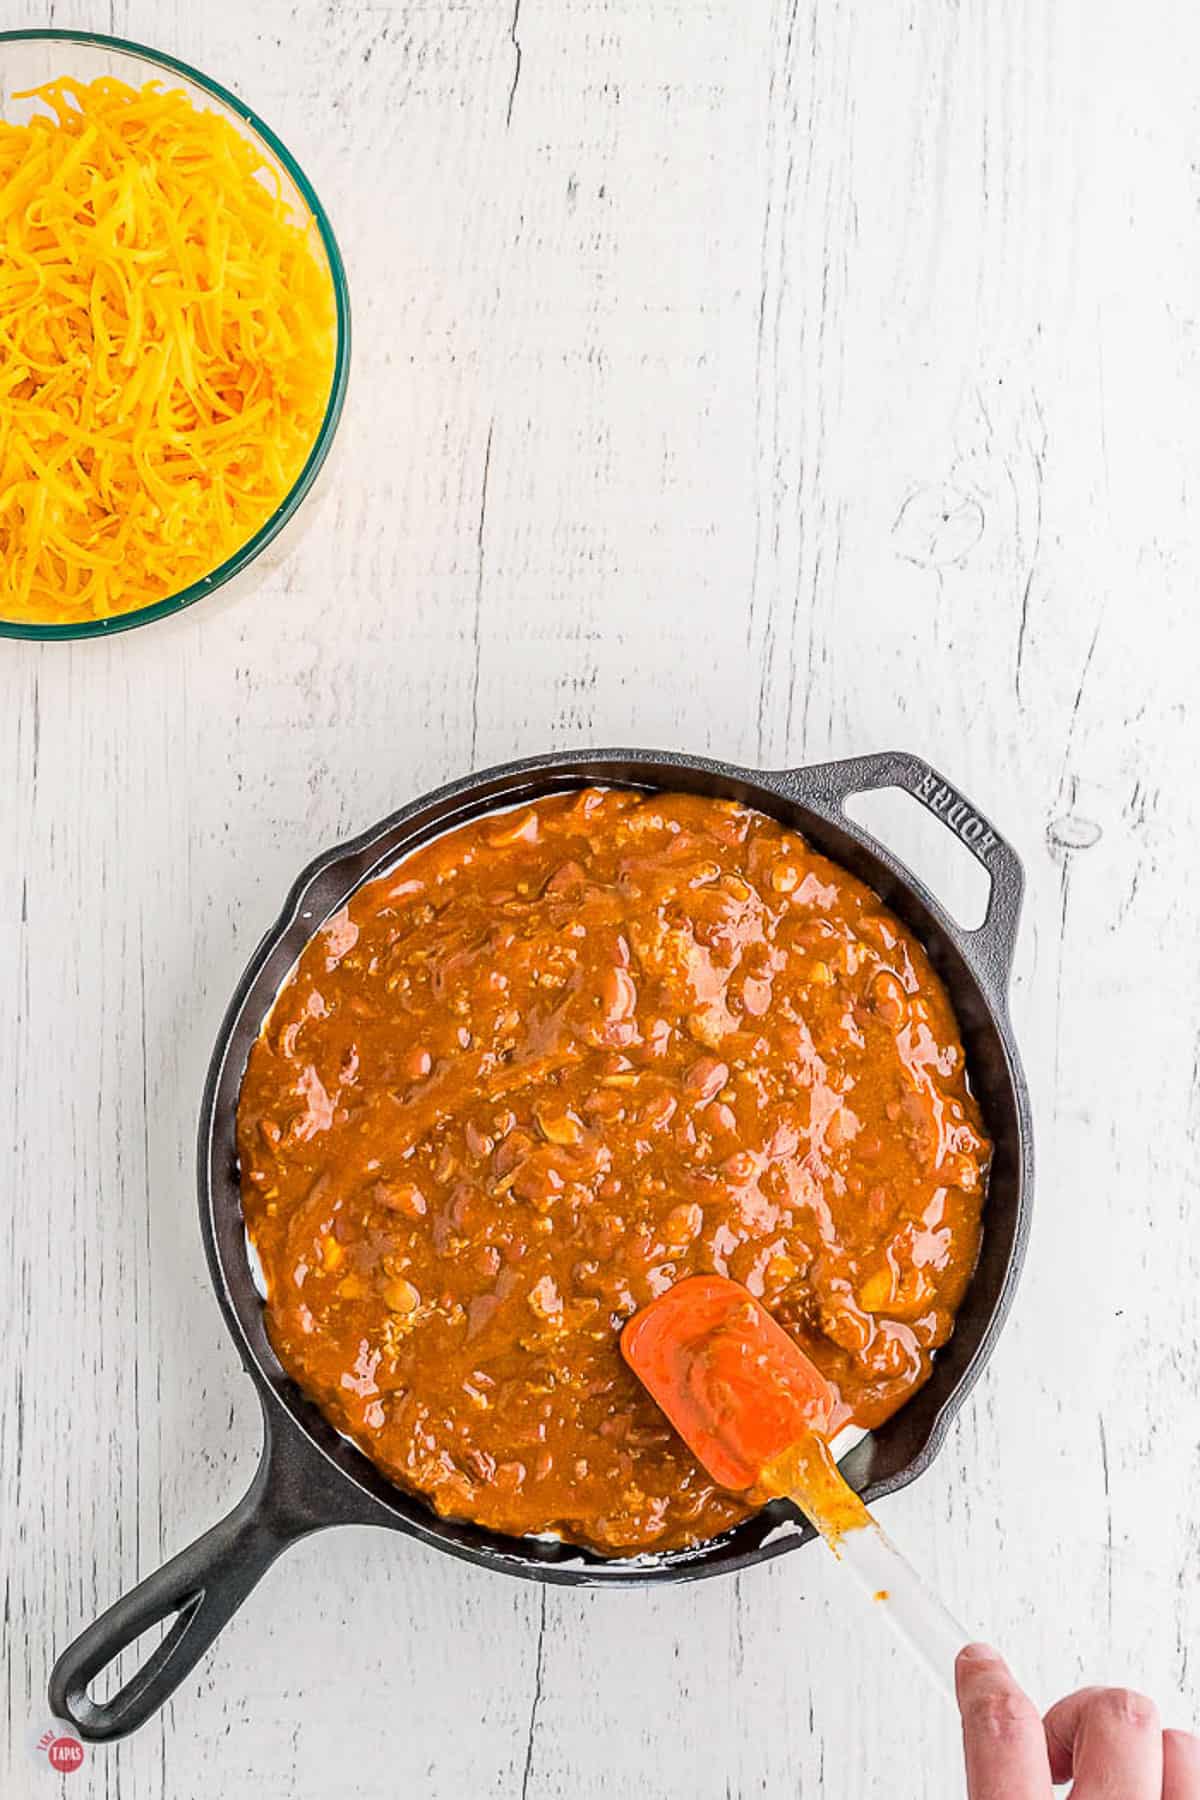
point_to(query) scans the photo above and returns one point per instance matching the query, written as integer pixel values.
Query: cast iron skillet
(310, 1477)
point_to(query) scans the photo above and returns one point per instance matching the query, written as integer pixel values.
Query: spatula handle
(898, 1592)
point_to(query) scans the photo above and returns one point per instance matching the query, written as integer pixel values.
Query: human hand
(1107, 1740)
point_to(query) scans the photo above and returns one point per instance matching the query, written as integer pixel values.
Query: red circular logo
(65, 1753)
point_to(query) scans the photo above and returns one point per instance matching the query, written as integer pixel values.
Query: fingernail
(979, 1653)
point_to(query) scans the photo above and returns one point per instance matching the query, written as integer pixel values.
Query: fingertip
(979, 1653)
(1181, 1754)
(1003, 1740)
(990, 1698)
(975, 1662)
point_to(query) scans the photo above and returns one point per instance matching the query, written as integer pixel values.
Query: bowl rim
(291, 501)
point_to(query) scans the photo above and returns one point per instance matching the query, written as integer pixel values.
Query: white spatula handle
(898, 1592)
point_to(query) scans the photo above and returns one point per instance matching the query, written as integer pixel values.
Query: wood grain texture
(781, 378)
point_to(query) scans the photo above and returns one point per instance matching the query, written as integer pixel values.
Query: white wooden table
(777, 378)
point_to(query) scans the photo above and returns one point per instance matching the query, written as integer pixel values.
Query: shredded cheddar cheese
(166, 348)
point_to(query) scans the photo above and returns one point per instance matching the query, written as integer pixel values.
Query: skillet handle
(827, 786)
(202, 1587)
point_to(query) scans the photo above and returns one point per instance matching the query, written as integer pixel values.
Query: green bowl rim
(233, 565)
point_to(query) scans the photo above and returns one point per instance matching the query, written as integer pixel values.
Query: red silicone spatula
(754, 1409)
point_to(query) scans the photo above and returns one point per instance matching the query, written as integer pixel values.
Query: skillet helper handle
(896, 1590)
(827, 786)
(202, 1588)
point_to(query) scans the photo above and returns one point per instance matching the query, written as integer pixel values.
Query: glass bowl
(29, 58)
